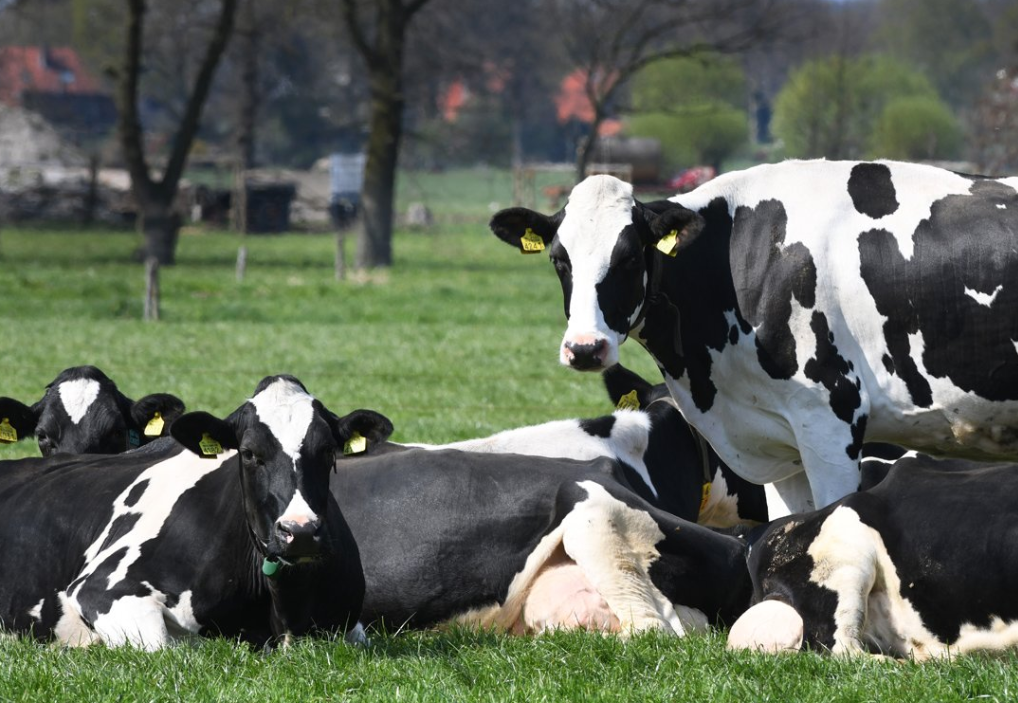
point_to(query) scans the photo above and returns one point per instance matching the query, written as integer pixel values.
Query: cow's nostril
(587, 355)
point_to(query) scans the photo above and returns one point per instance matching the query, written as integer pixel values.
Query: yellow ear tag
(628, 402)
(8, 435)
(209, 447)
(531, 243)
(669, 243)
(356, 444)
(154, 428)
(706, 496)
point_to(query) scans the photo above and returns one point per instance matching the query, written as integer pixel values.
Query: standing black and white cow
(83, 412)
(527, 543)
(798, 308)
(906, 569)
(663, 460)
(149, 545)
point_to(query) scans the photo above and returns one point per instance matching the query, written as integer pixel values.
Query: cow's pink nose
(584, 355)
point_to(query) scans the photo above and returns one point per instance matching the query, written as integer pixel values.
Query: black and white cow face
(287, 442)
(602, 245)
(83, 412)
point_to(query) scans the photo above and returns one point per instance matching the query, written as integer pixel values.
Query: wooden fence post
(151, 288)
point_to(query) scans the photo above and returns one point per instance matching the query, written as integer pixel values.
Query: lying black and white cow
(83, 412)
(663, 460)
(161, 542)
(798, 308)
(525, 543)
(922, 565)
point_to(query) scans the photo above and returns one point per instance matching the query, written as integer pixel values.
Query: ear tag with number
(356, 444)
(154, 428)
(210, 448)
(531, 242)
(628, 402)
(8, 435)
(668, 244)
(706, 496)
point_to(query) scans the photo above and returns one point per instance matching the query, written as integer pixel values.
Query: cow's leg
(791, 495)
(831, 472)
(615, 545)
(135, 620)
(845, 561)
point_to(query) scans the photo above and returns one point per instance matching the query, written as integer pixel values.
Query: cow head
(83, 412)
(287, 443)
(603, 245)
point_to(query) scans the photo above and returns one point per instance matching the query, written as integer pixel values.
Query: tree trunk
(161, 229)
(374, 238)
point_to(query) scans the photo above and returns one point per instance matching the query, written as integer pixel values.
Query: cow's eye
(561, 265)
(250, 457)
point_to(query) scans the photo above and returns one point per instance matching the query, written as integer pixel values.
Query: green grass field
(460, 341)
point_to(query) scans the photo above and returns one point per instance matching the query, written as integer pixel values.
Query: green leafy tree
(917, 128)
(694, 107)
(831, 107)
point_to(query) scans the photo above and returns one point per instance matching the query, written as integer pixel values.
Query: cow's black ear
(525, 229)
(17, 420)
(373, 427)
(168, 407)
(201, 432)
(674, 228)
(626, 388)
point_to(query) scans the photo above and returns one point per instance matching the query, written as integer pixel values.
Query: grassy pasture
(459, 341)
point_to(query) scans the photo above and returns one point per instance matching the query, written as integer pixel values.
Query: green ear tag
(356, 444)
(530, 242)
(628, 402)
(154, 428)
(669, 243)
(269, 567)
(209, 447)
(8, 435)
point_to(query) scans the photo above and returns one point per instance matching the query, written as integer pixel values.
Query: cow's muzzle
(585, 354)
(297, 539)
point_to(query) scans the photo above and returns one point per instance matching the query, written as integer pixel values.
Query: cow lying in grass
(661, 457)
(922, 565)
(525, 544)
(150, 545)
(83, 412)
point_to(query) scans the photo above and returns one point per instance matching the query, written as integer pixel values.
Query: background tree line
(433, 83)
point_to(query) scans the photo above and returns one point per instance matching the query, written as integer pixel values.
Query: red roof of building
(44, 70)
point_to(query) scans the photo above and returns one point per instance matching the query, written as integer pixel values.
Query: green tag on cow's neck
(210, 448)
(269, 566)
(629, 401)
(8, 435)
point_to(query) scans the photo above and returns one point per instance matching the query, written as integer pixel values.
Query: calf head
(603, 245)
(287, 443)
(83, 412)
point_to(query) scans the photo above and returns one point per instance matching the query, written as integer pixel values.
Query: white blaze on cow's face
(598, 255)
(78, 396)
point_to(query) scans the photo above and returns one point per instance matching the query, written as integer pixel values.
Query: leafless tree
(155, 197)
(611, 40)
(380, 37)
